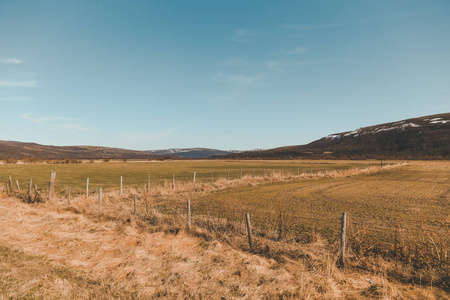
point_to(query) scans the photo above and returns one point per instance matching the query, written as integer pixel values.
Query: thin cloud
(239, 79)
(31, 118)
(243, 35)
(10, 61)
(29, 83)
(74, 126)
(236, 61)
(17, 99)
(296, 50)
(274, 66)
(319, 26)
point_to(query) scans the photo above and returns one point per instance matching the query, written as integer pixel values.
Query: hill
(19, 150)
(192, 152)
(418, 138)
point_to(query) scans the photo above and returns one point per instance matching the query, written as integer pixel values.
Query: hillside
(426, 137)
(19, 150)
(191, 152)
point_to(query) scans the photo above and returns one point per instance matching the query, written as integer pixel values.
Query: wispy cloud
(17, 99)
(239, 79)
(10, 61)
(295, 50)
(243, 35)
(74, 126)
(31, 118)
(274, 66)
(236, 61)
(29, 83)
(319, 26)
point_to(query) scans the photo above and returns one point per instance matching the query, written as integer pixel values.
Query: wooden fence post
(193, 181)
(173, 181)
(100, 200)
(189, 213)
(10, 183)
(343, 240)
(212, 176)
(240, 176)
(263, 172)
(135, 205)
(52, 184)
(148, 183)
(30, 186)
(87, 187)
(253, 172)
(298, 171)
(273, 172)
(290, 171)
(121, 181)
(282, 172)
(68, 199)
(18, 186)
(249, 231)
(228, 175)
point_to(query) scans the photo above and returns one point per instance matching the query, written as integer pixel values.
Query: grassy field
(401, 214)
(135, 173)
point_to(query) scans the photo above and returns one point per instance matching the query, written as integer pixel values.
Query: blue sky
(219, 74)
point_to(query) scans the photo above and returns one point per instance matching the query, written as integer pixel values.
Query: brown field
(398, 237)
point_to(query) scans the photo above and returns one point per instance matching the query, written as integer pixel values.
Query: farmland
(398, 216)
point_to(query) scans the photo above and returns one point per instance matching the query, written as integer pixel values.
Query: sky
(231, 75)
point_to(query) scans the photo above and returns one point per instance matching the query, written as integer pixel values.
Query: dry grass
(154, 256)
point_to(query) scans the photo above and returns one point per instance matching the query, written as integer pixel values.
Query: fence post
(381, 163)
(282, 172)
(121, 181)
(249, 231)
(135, 205)
(240, 176)
(195, 173)
(290, 171)
(10, 183)
(173, 181)
(253, 172)
(18, 186)
(228, 175)
(212, 176)
(52, 184)
(30, 186)
(68, 199)
(87, 187)
(189, 213)
(298, 171)
(100, 200)
(148, 183)
(273, 172)
(263, 172)
(343, 241)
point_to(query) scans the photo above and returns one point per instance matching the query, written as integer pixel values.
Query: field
(398, 216)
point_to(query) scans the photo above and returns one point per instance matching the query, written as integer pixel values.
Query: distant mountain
(192, 152)
(19, 150)
(419, 138)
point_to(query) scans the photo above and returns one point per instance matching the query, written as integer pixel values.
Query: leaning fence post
(135, 205)
(249, 231)
(87, 187)
(121, 181)
(189, 213)
(343, 241)
(18, 186)
(100, 200)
